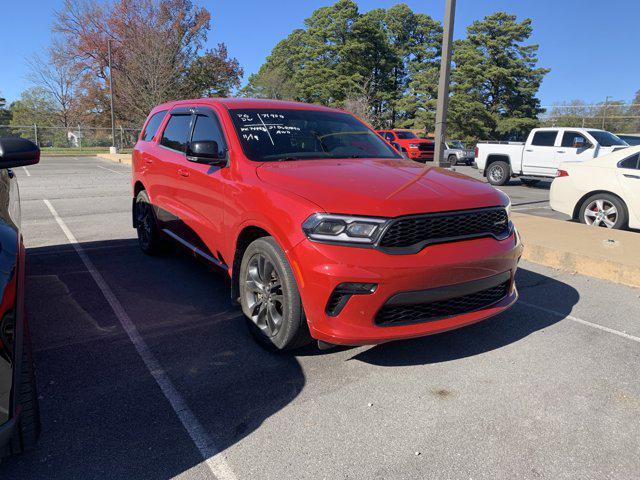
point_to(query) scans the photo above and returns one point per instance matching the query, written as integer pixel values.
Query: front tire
(498, 173)
(604, 210)
(270, 299)
(453, 160)
(149, 237)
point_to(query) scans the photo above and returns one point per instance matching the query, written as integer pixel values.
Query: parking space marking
(583, 322)
(212, 456)
(26, 171)
(114, 171)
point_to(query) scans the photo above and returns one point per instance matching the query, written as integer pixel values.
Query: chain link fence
(614, 117)
(75, 139)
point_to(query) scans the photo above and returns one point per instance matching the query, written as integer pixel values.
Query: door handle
(560, 151)
(183, 172)
(628, 175)
(148, 161)
(528, 150)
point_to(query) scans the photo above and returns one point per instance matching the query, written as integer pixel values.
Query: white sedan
(603, 192)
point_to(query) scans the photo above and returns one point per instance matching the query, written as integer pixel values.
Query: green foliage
(34, 107)
(385, 63)
(5, 114)
(383, 59)
(496, 70)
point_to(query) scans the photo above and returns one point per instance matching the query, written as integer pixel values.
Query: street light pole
(443, 84)
(604, 110)
(113, 119)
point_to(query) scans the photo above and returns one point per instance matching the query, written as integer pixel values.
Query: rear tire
(604, 210)
(149, 237)
(270, 299)
(28, 429)
(498, 173)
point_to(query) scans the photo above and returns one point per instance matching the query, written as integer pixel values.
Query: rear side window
(153, 125)
(569, 139)
(631, 162)
(544, 138)
(176, 133)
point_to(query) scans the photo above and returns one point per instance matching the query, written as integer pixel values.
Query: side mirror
(205, 151)
(18, 152)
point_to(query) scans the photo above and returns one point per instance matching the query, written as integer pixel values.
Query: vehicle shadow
(102, 412)
(496, 332)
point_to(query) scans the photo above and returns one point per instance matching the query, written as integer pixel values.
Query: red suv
(412, 146)
(325, 231)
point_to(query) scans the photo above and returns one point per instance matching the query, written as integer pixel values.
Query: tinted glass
(152, 126)
(631, 162)
(457, 144)
(283, 134)
(606, 139)
(406, 135)
(207, 128)
(630, 139)
(544, 139)
(176, 133)
(389, 136)
(569, 139)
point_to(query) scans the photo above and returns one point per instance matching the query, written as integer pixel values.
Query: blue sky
(591, 46)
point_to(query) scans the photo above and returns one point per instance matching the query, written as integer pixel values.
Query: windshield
(287, 134)
(406, 135)
(456, 144)
(606, 139)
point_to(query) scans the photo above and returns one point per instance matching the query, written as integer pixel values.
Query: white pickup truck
(542, 153)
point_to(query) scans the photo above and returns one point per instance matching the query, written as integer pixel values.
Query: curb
(124, 158)
(611, 255)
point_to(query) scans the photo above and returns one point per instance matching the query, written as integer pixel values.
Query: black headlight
(343, 228)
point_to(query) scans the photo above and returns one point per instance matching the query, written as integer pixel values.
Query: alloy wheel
(496, 174)
(601, 213)
(263, 295)
(144, 220)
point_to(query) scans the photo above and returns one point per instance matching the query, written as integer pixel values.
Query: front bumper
(320, 268)
(416, 154)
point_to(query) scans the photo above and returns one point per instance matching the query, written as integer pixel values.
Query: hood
(379, 187)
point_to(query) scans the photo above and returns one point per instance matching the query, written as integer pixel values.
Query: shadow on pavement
(481, 337)
(103, 414)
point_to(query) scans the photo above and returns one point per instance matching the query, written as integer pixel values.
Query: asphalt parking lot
(533, 200)
(548, 389)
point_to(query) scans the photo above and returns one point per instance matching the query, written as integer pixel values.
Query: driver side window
(573, 140)
(206, 128)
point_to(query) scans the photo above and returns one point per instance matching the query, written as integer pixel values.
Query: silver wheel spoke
(611, 211)
(608, 222)
(590, 213)
(600, 204)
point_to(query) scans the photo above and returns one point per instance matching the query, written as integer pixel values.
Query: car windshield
(402, 135)
(288, 134)
(456, 144)
(606, 139)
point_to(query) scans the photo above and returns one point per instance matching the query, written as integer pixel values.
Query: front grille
(425, 147)
(422, 229)
(390, 315)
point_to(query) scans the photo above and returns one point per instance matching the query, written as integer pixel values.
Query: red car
(412, 146)
(324, 230)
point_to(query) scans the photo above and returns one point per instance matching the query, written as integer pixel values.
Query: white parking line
(212, 456)
(26, 171)
(583, 322)
(114, 171)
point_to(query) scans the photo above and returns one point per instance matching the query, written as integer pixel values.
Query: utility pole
(443, 84)
(604, 110)
(113, 119)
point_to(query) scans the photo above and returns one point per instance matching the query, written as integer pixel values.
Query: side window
(544, 138)
(207, 128)
(571, 139)
(152, 126)
(176, 133)
(389, 136)
(630, 162)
